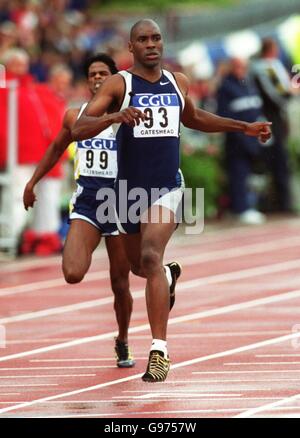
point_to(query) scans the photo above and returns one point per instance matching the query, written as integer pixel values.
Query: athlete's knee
(72, 275)
(119, 283)
(137, 270)
(150, 260)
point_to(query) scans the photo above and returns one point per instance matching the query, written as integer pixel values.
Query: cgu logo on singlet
(98, 143)
(155, 100)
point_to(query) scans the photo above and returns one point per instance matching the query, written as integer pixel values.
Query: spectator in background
(60, 80)
(57, 31)
(42, 238)
(40, 113)
(238, 98)
(274, 84)
(16, 62)
(8, 36)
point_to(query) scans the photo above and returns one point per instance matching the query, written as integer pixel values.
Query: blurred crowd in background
(60, 32)
(44, 44)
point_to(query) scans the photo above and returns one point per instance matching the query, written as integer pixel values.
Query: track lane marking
(260, 363)
(268, 407)
(173, 367)
(210, 236)
(190, 260)
(189, 317)
(211, 279)
(45, 375)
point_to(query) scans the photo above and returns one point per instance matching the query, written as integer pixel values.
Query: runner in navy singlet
(95, 168)
(148, 154)
(145, 105)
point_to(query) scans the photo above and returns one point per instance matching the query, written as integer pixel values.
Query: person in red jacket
(43, 235)
(40, 112)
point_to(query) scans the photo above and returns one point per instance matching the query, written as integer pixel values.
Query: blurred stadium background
(58, 36)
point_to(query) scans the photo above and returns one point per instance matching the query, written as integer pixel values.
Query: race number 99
(103, 159)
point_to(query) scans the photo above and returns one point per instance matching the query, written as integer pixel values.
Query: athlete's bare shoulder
(108, 97)
(70, 117)
(114, 86)
(182, 82)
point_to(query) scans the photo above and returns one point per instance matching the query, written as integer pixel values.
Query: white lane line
(202, 397)
(278, 355)
(59, 368)
(247, 372)
(157, 413)
(260, 363)
(142, 414)
(239, 306)
(243, 273)
(74, 416)
(103, 359)
(187, 382)
(38, 376)
(268, 407)
(46, 284)
(169, 393)
(209, 236)
(219, 334)
(21, 265)
(191, 260)
(137, 401)
(175, 395)
(9, 393)
(211, 279)
(63, 309)
(28, 385)
(225, 353)
(85, 359)
(189, 317)
(238, 251)
(38, 262)
(35, 341)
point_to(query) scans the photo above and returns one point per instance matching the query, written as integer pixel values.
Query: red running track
(234, 334)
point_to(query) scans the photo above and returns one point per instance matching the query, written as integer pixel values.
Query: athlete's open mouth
(152, 55)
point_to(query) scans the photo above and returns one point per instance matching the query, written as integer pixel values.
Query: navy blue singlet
(148, 154)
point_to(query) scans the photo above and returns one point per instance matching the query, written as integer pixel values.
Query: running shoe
(175, 269)
(123, 355)
(158, 367)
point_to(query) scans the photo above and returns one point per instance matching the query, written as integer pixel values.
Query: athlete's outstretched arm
(196, 118)
(51, 157)
(201, 120)
(94, 118)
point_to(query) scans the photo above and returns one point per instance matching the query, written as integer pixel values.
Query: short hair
(100, 57)
(139, 23)
(15, 53)
(57, 69)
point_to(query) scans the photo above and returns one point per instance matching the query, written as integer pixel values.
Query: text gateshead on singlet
(157, 131)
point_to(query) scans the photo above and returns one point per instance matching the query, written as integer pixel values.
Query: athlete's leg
(132, 246)
(82, 239)
(154, 238)
(119, 276)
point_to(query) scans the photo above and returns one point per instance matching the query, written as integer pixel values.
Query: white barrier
(7, 235)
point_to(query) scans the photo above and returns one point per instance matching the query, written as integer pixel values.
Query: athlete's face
(98, 72)
(146, 45)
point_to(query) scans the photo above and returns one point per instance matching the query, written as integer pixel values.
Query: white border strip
(190, 317)
(268, 407)
(211, 279)
(178, 365)
(251, 249)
